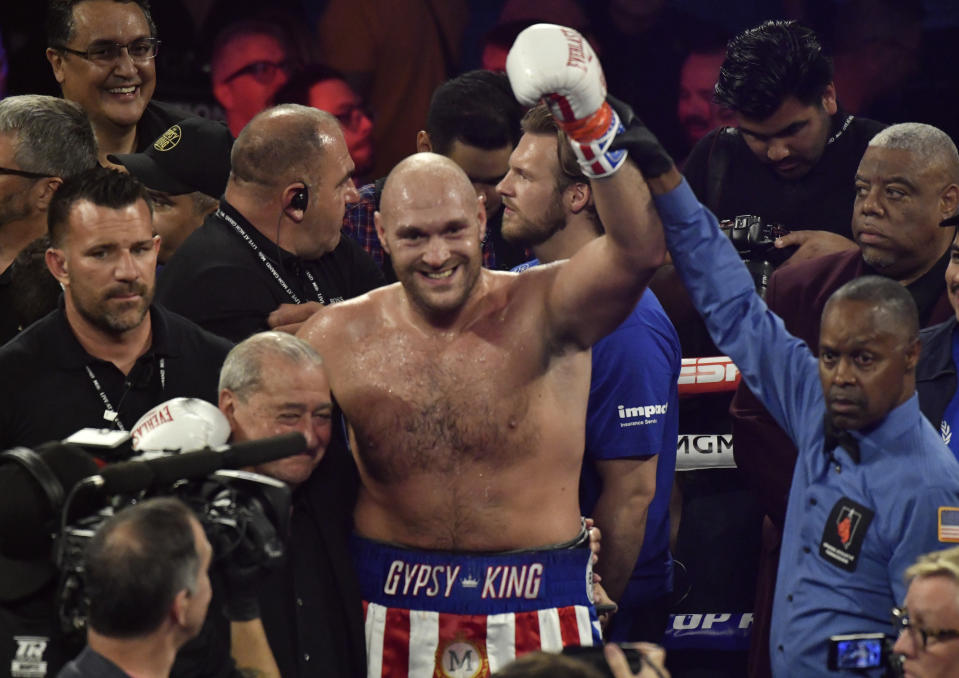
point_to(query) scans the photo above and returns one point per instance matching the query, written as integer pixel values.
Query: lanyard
(269, 264)
(109, 413)
(842, 128)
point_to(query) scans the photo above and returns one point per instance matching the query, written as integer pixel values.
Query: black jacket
(936, 372)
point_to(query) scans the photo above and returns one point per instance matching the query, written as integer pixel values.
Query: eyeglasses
(261, 71)
(901, 622)
(24, 173)
(106, 53)
(352, 117)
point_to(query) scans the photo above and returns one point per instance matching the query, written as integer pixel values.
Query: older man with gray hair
(273, 383)
(906, 184)
(43, 140)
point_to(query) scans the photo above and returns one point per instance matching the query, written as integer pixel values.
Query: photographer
(792, 155)
(148, 584)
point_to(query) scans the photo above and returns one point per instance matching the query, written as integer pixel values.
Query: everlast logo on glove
(843, 534)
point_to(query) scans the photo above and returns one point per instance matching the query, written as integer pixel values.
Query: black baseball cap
(193, 155)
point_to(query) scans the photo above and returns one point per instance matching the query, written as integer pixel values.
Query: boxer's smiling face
(433, 233)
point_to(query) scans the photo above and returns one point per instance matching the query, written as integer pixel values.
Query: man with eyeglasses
(928, 622)
(43, 140)
(102, 54)
(250, 62)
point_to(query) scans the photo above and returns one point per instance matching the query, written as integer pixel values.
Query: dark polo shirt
(47, 393)
(727, 178)
(225, 285)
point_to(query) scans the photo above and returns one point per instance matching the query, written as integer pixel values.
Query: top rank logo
(29, 661)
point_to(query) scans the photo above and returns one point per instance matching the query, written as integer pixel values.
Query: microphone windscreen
(254, 452)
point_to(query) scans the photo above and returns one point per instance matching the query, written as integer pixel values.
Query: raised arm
(777, 367)
(595, 290)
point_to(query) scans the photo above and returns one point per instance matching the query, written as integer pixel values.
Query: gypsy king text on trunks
(501, 581)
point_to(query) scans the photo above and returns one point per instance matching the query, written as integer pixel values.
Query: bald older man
(465, 390)
(275, 242)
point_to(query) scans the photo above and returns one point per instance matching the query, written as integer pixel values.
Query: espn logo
(708, 375)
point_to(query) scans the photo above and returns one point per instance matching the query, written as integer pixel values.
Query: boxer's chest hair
(440, 411)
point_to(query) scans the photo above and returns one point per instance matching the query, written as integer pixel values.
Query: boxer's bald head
(424, 176)
(432, 224)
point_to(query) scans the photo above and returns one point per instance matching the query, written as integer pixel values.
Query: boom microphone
(132, 476)
(256, 452)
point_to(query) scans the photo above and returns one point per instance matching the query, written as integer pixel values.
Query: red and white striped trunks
(434, 614)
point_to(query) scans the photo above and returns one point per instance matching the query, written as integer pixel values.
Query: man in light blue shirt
(873, 481)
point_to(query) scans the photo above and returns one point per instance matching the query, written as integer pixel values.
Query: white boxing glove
(180, 424)
(557, 64)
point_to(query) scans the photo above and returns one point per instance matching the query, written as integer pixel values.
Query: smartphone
(593, 655)
(856, 651)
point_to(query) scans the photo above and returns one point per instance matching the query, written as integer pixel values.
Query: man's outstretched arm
(776, 366)
(595, 290)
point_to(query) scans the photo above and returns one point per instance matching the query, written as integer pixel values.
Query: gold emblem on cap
(169, 139)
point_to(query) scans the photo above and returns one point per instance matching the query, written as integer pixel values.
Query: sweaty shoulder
(353, 319)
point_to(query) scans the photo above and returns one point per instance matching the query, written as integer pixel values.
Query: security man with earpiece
(273, 254)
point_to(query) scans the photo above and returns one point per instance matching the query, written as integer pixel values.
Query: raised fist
(558, 65)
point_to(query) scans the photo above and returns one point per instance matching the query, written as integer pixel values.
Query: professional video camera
(59, 496)
(857, 651)
(754, 240)
(245, 516)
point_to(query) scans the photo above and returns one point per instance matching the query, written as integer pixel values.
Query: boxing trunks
(434, 614)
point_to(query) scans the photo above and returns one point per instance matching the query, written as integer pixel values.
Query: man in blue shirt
(632, 414)
(872, 475)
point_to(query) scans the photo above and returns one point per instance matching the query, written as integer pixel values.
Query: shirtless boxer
(465, 390)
